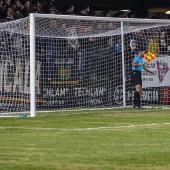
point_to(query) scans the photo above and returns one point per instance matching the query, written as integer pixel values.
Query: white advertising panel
(161, 66)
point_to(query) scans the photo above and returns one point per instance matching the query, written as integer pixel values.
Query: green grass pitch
(113, 139)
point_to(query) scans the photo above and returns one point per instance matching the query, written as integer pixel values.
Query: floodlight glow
(167, 12)
(125, 10)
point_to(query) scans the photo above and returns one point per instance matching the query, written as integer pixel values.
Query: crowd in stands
(15, 9)
(92, 51)
(153, 40)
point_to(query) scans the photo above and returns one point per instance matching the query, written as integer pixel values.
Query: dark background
(140, 7)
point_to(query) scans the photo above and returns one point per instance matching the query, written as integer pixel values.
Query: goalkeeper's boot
(137, 107)
(141, 107)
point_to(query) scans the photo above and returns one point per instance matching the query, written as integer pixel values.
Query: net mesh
(14, 66)
(79, 64)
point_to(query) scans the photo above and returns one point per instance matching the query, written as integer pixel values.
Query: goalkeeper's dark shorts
(136, 78)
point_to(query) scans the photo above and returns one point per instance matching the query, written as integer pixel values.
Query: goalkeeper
(136, 77)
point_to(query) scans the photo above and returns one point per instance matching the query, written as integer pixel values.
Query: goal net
(80, 62)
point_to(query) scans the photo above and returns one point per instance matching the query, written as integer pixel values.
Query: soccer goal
(51, 62)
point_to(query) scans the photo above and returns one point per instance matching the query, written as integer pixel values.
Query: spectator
(51, 7)
(62, 42)
(9, 15)
(140, 38)
(116, 49)
(31, 5)
(87, 53)
(17, 16)
(63, 27)
(52, 12)
(98, 27)
(85, 10)
(70, 10)
(117, 46)
(51, 49)
(37, 7)
(26, 10)
(153, 45)
(163, 45)
(99, 14)
(110, 26)
(50, 53)
(6, 5)
(17, 7)
(106, 14)
(133, 48)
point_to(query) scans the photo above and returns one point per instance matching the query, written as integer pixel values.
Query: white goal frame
(70, 17)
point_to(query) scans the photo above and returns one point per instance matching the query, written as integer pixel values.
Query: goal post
(51, 62)
(117, 89)
(32, 66)
(79, 28)
(123, 66)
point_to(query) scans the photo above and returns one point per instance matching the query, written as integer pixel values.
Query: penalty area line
(87, 129)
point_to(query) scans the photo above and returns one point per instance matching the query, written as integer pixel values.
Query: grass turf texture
(120, 139)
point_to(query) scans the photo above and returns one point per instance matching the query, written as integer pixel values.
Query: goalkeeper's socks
(136, 98)
(139, 100)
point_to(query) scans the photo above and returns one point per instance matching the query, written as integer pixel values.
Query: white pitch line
(88, 129)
